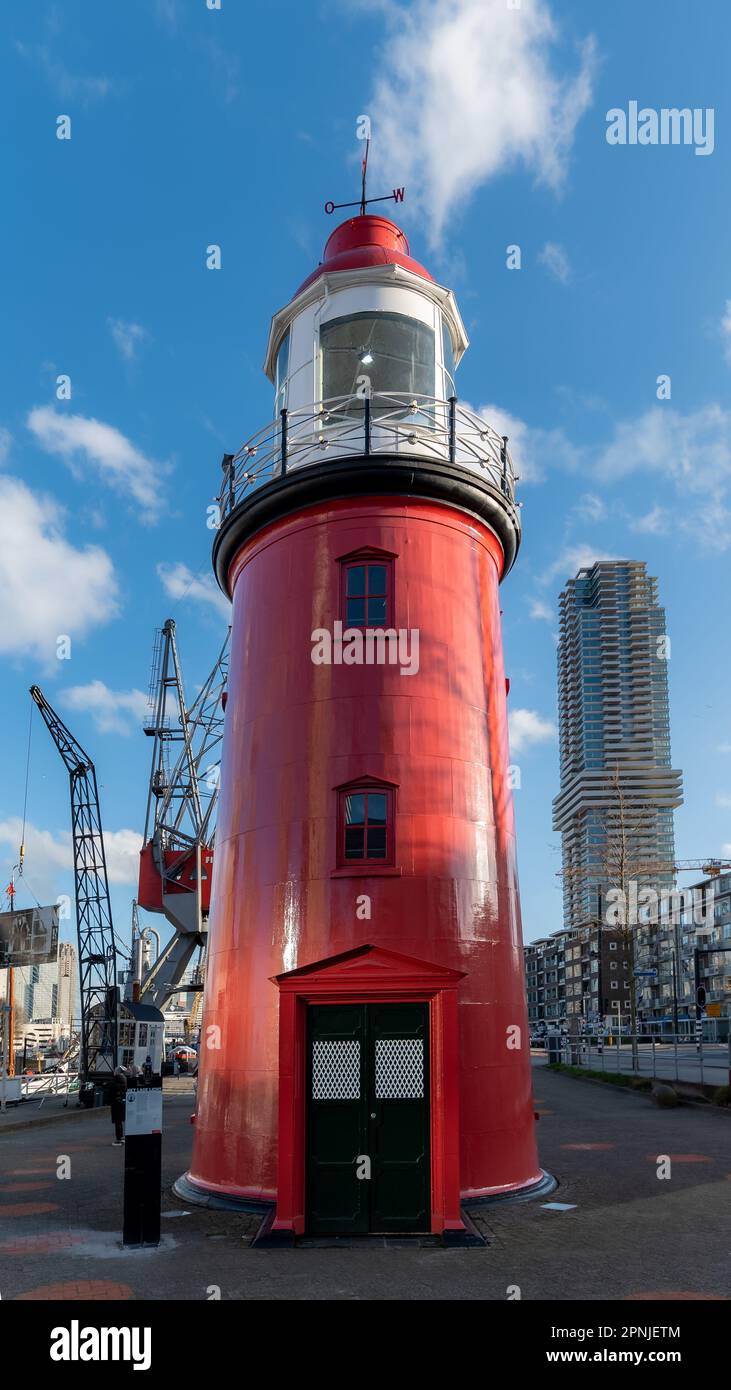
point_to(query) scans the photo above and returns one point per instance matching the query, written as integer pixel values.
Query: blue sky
(191, 127)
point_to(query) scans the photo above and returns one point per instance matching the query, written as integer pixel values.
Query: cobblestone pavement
(629, 1234)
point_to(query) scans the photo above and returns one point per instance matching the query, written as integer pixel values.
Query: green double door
(367, 1118)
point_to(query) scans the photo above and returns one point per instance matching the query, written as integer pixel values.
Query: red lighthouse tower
(364, 1058)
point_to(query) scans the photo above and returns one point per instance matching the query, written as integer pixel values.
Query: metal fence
(37, 1087)
(49, 1083)
(380, 423)
(677, 1057)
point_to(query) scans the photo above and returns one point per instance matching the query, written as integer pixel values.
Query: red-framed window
(367, 591)
(366, 825)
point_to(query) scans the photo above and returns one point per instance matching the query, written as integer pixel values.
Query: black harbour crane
(95, 931)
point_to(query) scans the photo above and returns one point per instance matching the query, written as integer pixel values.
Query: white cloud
(48, 854)
(468, 89)
(47, 586)
(113, 711)
(521, 442)
(574, 558)
(695, 449)
(116, 459)
(179, 582)
(67, 84)
(166, 14)
(541, 611)
(723, 799)
(127, 337)
(656, 522)
(692, 452)
(531, 449)
(726, 331)
(555, 258)
(122, 849)
(225, 69)
(527, 727)
(590, 508)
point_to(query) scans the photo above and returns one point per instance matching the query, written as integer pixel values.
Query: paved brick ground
(630, 1235)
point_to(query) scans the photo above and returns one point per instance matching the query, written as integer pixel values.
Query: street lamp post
(675, 989)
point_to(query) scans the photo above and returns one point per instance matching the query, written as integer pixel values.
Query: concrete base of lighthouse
(191, 1193)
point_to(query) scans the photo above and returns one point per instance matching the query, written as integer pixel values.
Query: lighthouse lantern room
(364, 1055)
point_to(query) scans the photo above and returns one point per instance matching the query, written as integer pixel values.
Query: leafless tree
(625, 867)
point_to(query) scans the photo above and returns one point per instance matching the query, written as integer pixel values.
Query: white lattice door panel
(336, 1070)
(399, 1068)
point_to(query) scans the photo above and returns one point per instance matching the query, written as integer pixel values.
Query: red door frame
(368, 975)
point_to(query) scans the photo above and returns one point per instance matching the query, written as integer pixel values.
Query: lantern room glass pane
(395, 353)
(280, 375)
(448, 359)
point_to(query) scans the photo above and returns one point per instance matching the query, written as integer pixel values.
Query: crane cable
(25, 796)
(21, 855)
(10, 890)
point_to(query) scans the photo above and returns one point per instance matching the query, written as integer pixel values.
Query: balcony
(389, 424)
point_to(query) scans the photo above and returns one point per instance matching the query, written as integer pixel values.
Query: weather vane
(396, 196)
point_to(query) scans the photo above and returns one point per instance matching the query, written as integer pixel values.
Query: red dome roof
(363, 241)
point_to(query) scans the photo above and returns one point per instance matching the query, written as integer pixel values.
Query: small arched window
(366, 824)
(367, 598)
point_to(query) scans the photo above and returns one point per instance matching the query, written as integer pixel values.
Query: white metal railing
(394, 423)
(49, 1083)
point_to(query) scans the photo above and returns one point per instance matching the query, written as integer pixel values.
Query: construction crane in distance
(176, 860)
(94, 927)
(710, 867)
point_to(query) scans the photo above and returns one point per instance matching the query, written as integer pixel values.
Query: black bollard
(143, 1165)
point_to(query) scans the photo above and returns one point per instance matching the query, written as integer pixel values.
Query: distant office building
(597, 975)
(586, 972)
(545, 978)
(614, 731)
(582, 973)
(678, 948)
(46, 993)
(67, 983)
